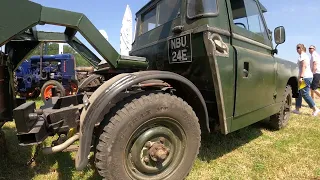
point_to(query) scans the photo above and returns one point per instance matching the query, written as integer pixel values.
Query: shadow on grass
(63, 164)
(13, 162)
(216, 145)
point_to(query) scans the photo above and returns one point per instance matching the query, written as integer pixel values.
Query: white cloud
(104, 34)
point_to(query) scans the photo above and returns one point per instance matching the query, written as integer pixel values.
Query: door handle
(246, 69)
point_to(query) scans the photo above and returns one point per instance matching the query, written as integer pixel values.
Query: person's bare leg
(317, 93)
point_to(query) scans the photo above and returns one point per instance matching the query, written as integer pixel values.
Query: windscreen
(198, 8)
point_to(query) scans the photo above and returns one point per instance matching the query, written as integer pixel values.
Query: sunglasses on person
(311, 48)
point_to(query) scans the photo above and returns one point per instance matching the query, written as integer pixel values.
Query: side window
(246, 14)
(149, 20)
(168, 10)
(163, 12)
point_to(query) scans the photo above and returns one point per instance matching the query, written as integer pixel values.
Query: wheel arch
(293, 82)
(100, 103)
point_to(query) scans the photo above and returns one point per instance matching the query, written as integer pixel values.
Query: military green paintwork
(239, 97)
(57, 37)
(246, 100)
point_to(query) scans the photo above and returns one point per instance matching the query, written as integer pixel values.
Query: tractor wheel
(154, 136)
(280, 120)
(46, 92)
(91, 81)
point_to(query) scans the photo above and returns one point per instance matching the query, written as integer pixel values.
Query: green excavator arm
(31, 35)
(22, 15)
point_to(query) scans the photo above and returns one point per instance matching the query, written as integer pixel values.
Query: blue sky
(298, 17)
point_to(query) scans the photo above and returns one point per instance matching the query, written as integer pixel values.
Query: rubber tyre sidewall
(135, 114)
(54, 83)
(85, 82)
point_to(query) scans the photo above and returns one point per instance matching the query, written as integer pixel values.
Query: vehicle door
(256, 68)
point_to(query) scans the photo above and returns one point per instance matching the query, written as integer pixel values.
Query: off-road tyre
(133, 119)
(280, 120)
(60, 89)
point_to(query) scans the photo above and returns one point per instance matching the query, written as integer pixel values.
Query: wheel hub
(158, 151)
(151, 151)
(155, 149)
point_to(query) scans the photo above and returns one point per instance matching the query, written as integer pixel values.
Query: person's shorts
(315, 81)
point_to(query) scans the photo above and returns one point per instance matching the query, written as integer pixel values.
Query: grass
(250, 153)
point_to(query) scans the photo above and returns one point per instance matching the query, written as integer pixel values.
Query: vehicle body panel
(2, 94)
(244, 98)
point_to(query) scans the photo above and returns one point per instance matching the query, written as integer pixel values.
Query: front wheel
(150, 137)
(280, 120)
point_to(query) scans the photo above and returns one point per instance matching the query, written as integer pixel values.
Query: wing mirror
(279, 37)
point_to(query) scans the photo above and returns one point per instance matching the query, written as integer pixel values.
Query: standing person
(306, 75)
(315, 67)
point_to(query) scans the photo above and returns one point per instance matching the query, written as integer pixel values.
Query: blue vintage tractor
(35, 78)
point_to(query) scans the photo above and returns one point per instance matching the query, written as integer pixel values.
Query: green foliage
(53, 49)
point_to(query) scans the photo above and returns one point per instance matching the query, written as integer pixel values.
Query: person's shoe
(296, 112)
(316, 112)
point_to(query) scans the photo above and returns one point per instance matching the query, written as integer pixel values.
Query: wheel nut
(162, 139)
(148, 144)
(146, 159)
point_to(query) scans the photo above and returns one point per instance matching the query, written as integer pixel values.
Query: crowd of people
(309, 74)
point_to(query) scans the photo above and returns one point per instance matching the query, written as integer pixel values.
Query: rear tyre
(154, 136)
(280, 120)
(46, 90)
(92, 81)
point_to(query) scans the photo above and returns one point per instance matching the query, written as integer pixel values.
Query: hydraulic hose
(61, 147)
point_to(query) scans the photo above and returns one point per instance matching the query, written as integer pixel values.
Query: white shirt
(304, 57)
(315, 58)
